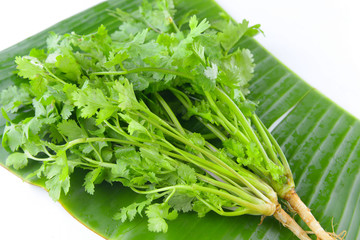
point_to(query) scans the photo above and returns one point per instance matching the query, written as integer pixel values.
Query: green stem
(241, 193)
(188, 104)
(95, 139)
(174, 24)
(183, 187)
(146, 69)
(213, 129)
(245, 124)
(170, 113)
(183, 98)
(170, 196)
(211, 157)
(233, 130)
(185, 155)
(267, 209)
(209, 136)
(278, 149)
(54, 76)
(189, 157)
(29, 155)
(221, 212)
(266, 140)
(102, 164)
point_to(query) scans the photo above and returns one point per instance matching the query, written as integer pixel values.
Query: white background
(318, 40)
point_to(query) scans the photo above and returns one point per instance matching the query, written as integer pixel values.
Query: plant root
(306, 215)
(290, 223)
(262, 219)
(340, 236)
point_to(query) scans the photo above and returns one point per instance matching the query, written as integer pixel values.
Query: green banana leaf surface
(320, 140)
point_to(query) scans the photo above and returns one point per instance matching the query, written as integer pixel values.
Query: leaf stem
(246, 196)
(146, 69)
(233, 130)
(170, 113)
(245, 124)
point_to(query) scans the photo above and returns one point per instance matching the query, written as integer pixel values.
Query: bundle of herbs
(158, 106)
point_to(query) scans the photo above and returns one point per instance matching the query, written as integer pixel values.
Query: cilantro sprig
(124, 106)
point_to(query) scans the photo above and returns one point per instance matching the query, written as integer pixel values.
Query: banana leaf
(320, 140)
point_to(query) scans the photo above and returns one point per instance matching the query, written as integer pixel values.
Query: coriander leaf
(254, 30)
(55, 135)
(33, 147)
(157, 224)
(39, 54)
(117, 59)
(231, 33)
(186, 173)
(39, 108)
(52, 41)
(29, 67)
(126, 95)
(234, 147)
(71, 130)
(32, 126)
(17, 160)
(39, 85)
(92, 101)
(58, 176)
(55, 185)
(120, 169)
(195, 28)
(238, 69)
(68, 65)
(199, 50)
(13, 97)
(12, 137)
(90, 178)
(200, 208)
(33, 69)
(157, 213)
(66, 111)
(126, 213)
(129, 212)
(181, 202)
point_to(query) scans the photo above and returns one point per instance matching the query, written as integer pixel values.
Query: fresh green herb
(119, 105)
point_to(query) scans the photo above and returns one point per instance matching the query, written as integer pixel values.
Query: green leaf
(117, 59)
(90, 178)
(157, 214)
(29, 68)
(68, 65)
(232, 33)
(238, 69)
(181, 202)
(13, 137)
(129, 212)
(17, 160)
(92, 101)
(66, 111)
(197, 28)
(13, 97)
(39, 54)
(71, 130)
(187, 173)
(58, 179)
(39, 108)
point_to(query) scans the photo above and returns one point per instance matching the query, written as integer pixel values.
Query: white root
(290, 223)
(306, 215)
